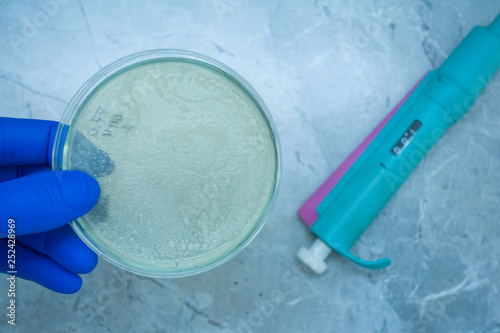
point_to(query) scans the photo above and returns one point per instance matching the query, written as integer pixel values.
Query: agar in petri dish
(186, 155)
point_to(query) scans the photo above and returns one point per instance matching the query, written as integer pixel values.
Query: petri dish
(187, 157)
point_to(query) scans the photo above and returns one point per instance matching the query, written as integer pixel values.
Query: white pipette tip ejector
(314, 257)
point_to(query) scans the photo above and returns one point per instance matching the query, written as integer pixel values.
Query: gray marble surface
(328, 71)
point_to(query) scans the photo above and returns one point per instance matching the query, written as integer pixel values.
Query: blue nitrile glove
(42, 202)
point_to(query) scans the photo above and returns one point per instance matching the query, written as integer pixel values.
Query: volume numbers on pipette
(406, 138)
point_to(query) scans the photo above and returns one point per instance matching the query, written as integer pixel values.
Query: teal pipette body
(345, 205)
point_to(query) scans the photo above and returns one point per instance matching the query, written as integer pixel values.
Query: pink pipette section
(308, 211)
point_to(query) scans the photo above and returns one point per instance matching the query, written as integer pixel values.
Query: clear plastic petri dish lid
(187, 157)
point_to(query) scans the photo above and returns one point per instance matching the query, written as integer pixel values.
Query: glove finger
(64, 247)
(33, 266)
(10, 172)
(26, 141)
(46, 200)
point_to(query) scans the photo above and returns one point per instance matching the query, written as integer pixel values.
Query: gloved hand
(42, 202)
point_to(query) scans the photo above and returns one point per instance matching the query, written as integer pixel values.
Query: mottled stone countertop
(329, 71)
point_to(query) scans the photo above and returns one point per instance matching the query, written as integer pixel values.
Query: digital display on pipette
(406, 138)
